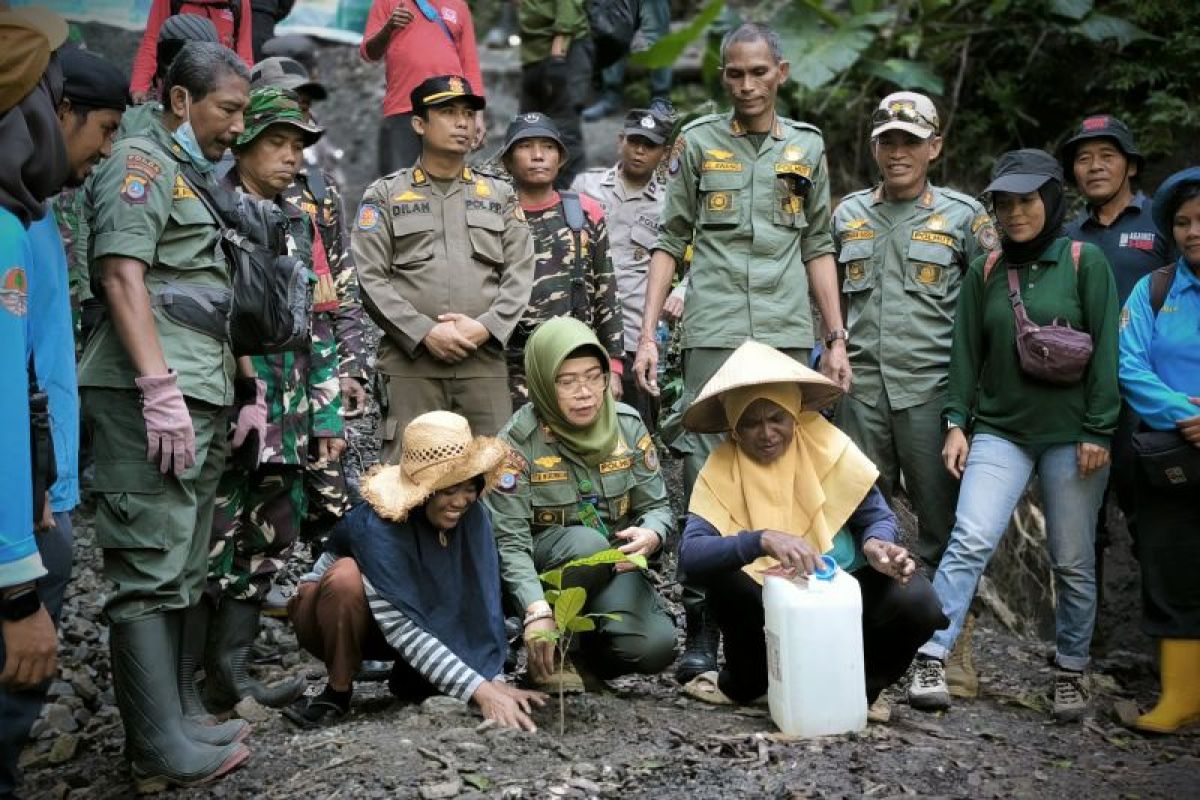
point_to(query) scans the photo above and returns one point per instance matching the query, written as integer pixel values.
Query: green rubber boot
(191, 636)
(226, 678)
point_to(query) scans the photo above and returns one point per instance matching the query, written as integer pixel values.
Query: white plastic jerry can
(816, 683)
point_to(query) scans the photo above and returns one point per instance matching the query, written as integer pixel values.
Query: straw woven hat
(752, 364)
(438, 452)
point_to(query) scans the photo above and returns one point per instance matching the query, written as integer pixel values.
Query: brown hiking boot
(960, 666)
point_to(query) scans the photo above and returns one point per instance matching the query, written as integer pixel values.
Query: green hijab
(545, 351)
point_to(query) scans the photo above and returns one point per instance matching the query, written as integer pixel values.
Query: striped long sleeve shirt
(423, 651)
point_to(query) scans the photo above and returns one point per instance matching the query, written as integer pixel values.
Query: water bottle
(815, 676)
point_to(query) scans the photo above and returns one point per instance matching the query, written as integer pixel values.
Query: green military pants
(154, 528)
(485, 402)
(908, 442)
(699, 365)
(643, 639)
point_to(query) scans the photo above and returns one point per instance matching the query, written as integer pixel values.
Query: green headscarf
(545, 351)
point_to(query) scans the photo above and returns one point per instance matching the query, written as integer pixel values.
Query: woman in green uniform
(583, 477)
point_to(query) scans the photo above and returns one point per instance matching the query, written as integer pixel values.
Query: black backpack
(1160, 283)
(574, 217)
(613, 24)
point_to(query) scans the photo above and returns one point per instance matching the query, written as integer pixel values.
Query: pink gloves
(250, 402)
(171, 440)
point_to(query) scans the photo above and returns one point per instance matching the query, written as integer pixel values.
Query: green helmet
(271, 105)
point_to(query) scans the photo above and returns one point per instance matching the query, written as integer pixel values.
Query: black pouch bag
(1167, 460)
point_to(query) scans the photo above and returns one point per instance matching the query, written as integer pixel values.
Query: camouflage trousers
(517, 388)
(258, 517)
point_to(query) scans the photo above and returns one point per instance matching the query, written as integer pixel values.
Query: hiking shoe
(960, 666)
(1070, 695)
(928, 690)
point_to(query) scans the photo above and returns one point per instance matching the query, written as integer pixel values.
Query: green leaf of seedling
(605, 615)
(667, 50)
(609, 556)
(551, 596)
(553, 577)
(545, 636)
(477, 781)
(640, 561)
(581, 625)
(570, 603)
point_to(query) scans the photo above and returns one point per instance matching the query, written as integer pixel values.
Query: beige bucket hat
(752, 364)
(439, 452)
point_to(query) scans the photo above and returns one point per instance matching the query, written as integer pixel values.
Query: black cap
(533, 125)
(294, 45)
(286, 73)
(444, 89)
(1100, 126)
(648, 125)
(89, 81)
(1024, 171)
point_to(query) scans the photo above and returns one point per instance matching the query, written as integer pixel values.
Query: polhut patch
(133, 188)
(932, 237)
(136, 162)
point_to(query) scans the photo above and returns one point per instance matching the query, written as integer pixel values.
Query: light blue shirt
(1160, 356)
(52, 337)
(19, 558)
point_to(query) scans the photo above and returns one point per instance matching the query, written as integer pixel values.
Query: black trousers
(633, 395)
(563, 104)
(1168, 550)
(896, 621)
(399, 145)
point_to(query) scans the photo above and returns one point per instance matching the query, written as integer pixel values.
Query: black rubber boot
(226, 679)
(700, 647)
(191, 629)
(145, 678)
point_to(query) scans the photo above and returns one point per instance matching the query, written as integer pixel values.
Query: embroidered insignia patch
(856, 271)
(482, 189)
(133, 189)
(368, 217)
(136, 162)
(408, 197)
(548, 462)
(508, 482)
(792, 153)
(14, 292)
(181, 190)
(855, 224)
(718, 201)
(929, 274)
(936, 222)
(720, 155)
(650, 456)
(677, 154)
(979, 222)
(988, 238)
(550, 516)
(622, 505)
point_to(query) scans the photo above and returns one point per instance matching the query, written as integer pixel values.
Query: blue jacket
(19, 559)
(1159, 357)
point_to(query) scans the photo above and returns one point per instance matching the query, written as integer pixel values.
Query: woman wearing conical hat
(785, 488)
(411, 575)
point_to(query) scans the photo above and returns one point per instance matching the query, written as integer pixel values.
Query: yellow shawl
(809, 491)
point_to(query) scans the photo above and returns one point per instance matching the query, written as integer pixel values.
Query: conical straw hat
(439, 452)
(752, 364)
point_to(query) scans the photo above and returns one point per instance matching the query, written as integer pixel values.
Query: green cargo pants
(643, 639)
(908, 442)
(154, 528)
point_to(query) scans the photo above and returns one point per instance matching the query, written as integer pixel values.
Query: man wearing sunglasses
(903, 247)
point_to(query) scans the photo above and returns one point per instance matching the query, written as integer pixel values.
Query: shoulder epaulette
(704, 120)
(961, 197)
(521, 424)
(803, 126)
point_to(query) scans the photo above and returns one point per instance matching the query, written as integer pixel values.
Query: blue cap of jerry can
(828, 569)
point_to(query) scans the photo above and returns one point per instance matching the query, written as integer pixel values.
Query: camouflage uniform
(554, 260)
(259, 513)
(320, 198)
(72, 226)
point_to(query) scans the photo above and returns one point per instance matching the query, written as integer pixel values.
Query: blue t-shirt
(1160, 359)
(52, 337)
(1131, 243)
(19, 559)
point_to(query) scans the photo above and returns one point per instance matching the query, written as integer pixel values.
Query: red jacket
(146, 60)
(421, 50)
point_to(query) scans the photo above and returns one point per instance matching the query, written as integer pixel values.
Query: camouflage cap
(271, 105)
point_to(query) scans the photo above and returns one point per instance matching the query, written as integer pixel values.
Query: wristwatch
(951, 425)
(837, 333)
(19, 604)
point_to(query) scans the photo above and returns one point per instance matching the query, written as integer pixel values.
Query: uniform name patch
(722, 166)
(485, 205)
(368, 217)
(933, 238)
(858, 235)
(803, 170)
(133, 189)
(552, 476)
(616, 465)
(410, 208)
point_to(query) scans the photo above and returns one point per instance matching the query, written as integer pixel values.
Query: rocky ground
(640, 738)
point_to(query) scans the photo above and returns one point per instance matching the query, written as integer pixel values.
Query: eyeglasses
(901, 113)
(569, 385)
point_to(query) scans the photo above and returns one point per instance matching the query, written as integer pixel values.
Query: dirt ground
(640, 738)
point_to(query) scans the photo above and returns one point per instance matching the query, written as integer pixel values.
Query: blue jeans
(19, 708)
(996, 474)
(655, 23)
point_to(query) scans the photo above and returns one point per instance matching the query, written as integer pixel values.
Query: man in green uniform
(583, 477)
(260, 507)
(903, 248)
(157, 394)
(750, 191)
(445, 264)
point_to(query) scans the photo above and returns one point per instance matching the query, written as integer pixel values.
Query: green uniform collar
(926, 200)
(736, 129)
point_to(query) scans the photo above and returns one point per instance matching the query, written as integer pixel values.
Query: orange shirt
(421, 50)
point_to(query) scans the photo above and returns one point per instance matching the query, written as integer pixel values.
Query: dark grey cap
(1024, 171)
(533, 125)
(648, 125)
(286, 73)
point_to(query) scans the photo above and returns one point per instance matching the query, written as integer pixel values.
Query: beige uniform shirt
(422, 251)
(632, 217)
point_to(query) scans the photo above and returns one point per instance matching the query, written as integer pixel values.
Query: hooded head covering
(1166, 200)
(809, 491)
(548, 347)
(1021, 172)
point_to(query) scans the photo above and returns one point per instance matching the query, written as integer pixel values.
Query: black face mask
(1025, 252)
